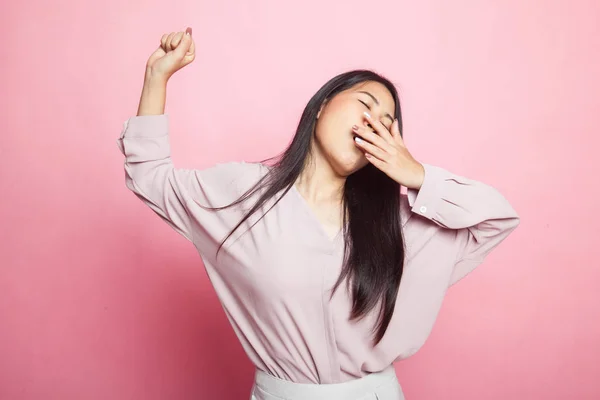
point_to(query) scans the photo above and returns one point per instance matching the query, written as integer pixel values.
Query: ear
(321, 109)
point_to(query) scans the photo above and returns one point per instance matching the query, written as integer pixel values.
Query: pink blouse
(274, 280)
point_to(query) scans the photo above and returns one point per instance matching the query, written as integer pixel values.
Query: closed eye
(365, 104)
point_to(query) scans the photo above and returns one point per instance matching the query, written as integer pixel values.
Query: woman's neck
(319, 183)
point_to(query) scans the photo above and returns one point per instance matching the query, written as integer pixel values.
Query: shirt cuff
(425, 200)
(148, 126)
(145, 138)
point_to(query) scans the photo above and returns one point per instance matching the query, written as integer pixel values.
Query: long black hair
(374, 244)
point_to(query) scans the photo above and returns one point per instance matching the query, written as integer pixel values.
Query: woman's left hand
(386, 151)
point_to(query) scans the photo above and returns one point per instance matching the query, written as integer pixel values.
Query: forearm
(153, 98)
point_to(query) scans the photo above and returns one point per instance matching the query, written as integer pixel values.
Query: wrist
(418, 177)
(153, 98)
(155, 81)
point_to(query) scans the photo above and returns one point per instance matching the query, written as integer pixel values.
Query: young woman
(327, 273)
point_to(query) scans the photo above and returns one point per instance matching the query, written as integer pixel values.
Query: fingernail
(367, 114)
(358, 140)
(354, 127)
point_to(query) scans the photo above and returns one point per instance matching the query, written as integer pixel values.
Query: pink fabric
(274, 280)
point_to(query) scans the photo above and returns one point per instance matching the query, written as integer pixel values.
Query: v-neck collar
(315, 220)
(405, 214)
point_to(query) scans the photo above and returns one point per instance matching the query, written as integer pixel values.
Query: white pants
(381, 385)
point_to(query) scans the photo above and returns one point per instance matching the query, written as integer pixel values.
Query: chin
(349, 163)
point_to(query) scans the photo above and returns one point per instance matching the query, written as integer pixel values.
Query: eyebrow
(376, 102)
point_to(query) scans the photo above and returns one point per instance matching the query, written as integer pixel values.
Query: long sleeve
(178, 195)
(483, 217)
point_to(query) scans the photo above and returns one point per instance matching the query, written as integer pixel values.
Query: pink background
(99, 299)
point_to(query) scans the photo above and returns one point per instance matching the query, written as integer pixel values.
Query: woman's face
(334, 138)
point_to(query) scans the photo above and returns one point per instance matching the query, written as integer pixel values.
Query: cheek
(339, 147)
(333, 138)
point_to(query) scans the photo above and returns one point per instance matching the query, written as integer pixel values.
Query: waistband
(300, 391)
